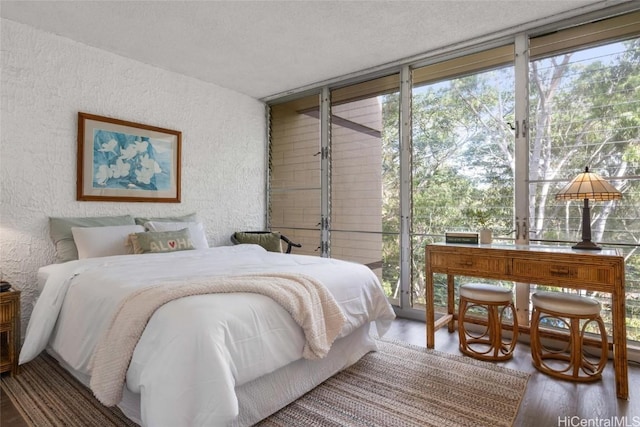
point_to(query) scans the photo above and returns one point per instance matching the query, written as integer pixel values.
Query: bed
(211, 359)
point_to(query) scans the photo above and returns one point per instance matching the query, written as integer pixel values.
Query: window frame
(525, 47)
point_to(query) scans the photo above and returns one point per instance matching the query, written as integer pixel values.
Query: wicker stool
(570, 363)
(494, 300)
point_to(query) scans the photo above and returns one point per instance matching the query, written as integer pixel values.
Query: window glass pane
(585, 111)
(463, 159)
(365, 178)
(294, 168)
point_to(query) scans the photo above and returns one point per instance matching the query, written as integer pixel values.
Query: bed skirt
(266, 395)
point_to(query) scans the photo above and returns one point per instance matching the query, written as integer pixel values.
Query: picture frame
(123, 161)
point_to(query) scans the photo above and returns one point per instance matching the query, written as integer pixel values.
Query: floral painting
(127, 161)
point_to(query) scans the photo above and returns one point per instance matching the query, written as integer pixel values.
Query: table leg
(450, 301)
(620, 343)
(430, 306)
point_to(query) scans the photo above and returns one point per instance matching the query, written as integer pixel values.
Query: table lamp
(588, 186)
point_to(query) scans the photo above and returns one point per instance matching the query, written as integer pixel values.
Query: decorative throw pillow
(94, 242)
(161, 241)
(62, 238)
(196, 230)
(192, 217)
(269, 241)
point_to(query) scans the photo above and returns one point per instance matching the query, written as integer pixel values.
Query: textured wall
(47, 79)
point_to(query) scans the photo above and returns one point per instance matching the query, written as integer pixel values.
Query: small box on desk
(461, 237)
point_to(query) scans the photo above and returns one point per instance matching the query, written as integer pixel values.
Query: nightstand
(9, 330)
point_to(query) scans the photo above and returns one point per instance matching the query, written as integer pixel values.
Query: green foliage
(480, 217)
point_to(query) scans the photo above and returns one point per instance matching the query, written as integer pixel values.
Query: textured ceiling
(264, 48)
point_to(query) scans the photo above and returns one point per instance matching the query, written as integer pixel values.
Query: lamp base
(587, 244)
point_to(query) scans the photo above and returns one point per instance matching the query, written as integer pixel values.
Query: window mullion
(405, 187)
(325, 191)
(521, 149)
(521, 169)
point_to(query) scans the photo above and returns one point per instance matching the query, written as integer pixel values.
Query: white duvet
(194, 350)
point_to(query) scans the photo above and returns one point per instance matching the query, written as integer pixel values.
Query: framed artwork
(121, 161)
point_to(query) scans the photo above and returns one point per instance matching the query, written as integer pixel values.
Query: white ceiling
(265, 48)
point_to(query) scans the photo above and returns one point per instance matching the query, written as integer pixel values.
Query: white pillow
(196, 230)
(94, 242)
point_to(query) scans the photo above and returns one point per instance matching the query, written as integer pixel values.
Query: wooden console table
(601, 271)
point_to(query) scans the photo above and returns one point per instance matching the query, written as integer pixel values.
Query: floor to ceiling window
(294, 165)
(462, 153)
(364, 218)
(465, 163)
(585, 112)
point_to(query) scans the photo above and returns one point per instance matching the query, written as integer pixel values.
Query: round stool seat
(574, 314)
(570, 304)
(488, 306)
(486, 292)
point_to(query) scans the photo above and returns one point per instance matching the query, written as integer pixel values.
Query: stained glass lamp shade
(588, 186)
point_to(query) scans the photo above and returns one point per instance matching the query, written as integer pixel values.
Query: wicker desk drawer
(469, 264)
(530, 270)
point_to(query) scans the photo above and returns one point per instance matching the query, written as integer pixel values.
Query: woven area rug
(400, 385)
(408, 386)
(47, 395)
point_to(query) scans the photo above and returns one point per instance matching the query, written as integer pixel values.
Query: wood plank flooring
(547, 402)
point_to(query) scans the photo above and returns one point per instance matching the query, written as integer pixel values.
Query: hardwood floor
(547, 402)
